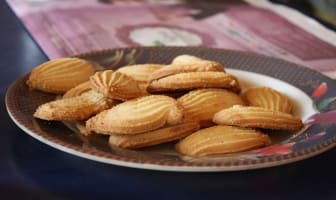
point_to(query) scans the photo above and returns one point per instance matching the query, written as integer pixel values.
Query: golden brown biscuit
(221, 140)
(59, 75)
(257, 117)
(140, 72)
(202, 104)
(75, 108)
(267, 98)
(143, 89)
(186, 63)
(78, 90)
(137, 116)
(115, 85)
(194, 80)
(159, 136)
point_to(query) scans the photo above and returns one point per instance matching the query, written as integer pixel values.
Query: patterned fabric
(66, 28)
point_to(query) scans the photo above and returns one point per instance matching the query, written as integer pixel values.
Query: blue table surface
(30, 169)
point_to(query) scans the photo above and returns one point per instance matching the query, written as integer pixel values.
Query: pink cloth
(65, 28)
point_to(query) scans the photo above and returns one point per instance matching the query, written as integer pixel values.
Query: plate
(310, 91)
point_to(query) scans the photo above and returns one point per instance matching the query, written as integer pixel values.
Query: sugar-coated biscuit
(75, 108)
(158, 136)
(221, 140)
(115, 85)
(201, 105)
(194, 80)
(267, 98)
(137, 116)
(257, 117)
(59, 75)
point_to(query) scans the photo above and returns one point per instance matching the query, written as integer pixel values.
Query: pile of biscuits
(191, 100)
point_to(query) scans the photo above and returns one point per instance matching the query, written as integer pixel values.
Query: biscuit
(257, 117)
(75, 108)
(115, 85)
(194, 80)
(201, 105)
(186, 63)
(77, 90)
(159, 136)
(220, 140)
(140, 72)
(137, 116)
(267, 98)
(59, 75)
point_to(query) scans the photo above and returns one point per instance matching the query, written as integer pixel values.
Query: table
(30, 169)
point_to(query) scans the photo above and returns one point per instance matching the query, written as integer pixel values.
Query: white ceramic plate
(310, 92)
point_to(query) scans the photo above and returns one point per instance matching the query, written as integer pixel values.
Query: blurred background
(322, 10)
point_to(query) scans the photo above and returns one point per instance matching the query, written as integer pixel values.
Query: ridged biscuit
(186, 63)
(194, 80)
(115, 85)
(257, 117)
(78, 90)
(140, 72)
(267, 98)
(159, 136)
(137, 116)
(59, 75)
(220, 140)
(75, 108)
(201, 105)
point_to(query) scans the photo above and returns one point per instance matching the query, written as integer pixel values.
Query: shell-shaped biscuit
(202, 104)
(257, 117)
(194, 80)
(115, 85)
(186, 63)
(137, 116)
(267, 98)
(78, 90)
(159, 136)
(59, 75)
(75, 108)
(221, 140)
(140, 72)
